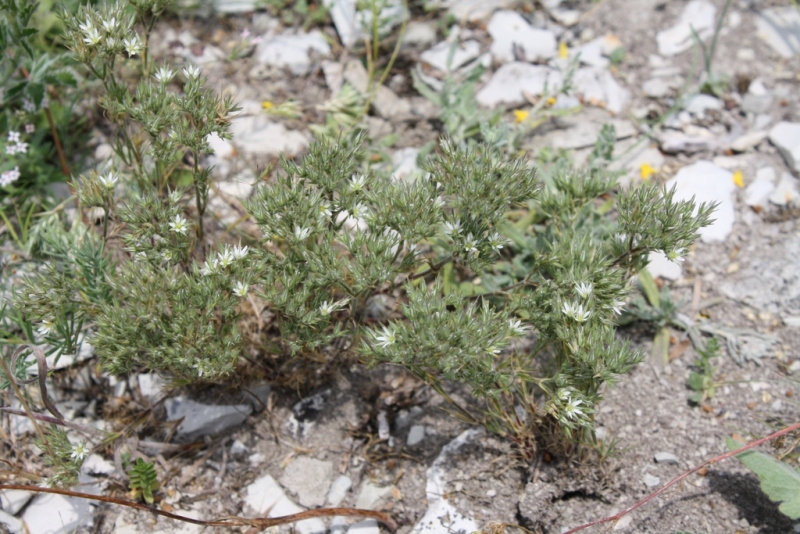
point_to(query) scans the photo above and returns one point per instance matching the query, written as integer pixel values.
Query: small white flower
(133, 46)
(438, 202)
(92, 36)
(179, 224)
(564, 394)
(386, 338)
(9, 177)
(28, 106)
(493, 349)
(496, 241)
(452, 229)
(110, 25)
(79, 451)
(13, 137)
(617, 306)
(324, 210)
(209, 268)
(166, 255)
(412, 248)
(517, 327)
(163, 75)
(199, 369)
(111, 43)
(11, 149)
(571, 409)
(22, 148)
(239, 251)
(584, 289)
(676, 256)
(29, 128)
(301, 233)
(328, 308)
(191, 72)
(109, 180)
(225, 258)
(240, 289)
(470, 244)
(576, 312)
(359, 211)
(357, 183)
(622, 238)
(46, 327)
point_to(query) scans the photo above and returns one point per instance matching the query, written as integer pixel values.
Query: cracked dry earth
(378, 439)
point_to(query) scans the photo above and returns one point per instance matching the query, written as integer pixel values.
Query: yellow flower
(520, 115)
(563, 50)
(551, 101)
(267, 104)
(647, 170)
(738, 179)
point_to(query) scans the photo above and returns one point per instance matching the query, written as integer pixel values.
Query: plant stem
(675, 480)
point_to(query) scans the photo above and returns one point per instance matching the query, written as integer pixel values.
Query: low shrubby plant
(350, 261)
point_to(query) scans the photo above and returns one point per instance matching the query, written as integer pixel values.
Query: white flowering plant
(475, 272)
(40, 136)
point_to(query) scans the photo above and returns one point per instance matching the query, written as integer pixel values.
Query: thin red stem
(674, 481)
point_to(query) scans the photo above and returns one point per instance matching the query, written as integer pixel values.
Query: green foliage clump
(350, 259)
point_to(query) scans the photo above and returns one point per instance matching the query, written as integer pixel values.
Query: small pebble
(666, 458)
(651, 481)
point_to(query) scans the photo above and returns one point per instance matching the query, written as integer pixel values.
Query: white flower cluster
(225, 259)
(9, 177)
(15, 145)
(454, 229)
(576, 311)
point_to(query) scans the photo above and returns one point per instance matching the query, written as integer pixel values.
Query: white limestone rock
(786, 138)
(439, 57)
(779, 27)
(758, 192)
(259, 135)
(699, 15)
(705, 182)
(510, 32)
(599, 88)
(203, 419)
(508, 86)
(292, 50)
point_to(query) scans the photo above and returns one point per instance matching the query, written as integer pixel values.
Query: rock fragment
(509, 85)
(786, 192)
(309, 479)
(786, 138)
(292, 50)
(651, 481)
(705, 182)
(439, 56)
(204, 419)
(758, 192)
(748, 141)
(666, 458)
(779, 27)
(513, 36)
(699, 15)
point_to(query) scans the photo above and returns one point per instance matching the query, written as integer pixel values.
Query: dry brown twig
(256, 524)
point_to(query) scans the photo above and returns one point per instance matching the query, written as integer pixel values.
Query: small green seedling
(143, 480)
(702, 382)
